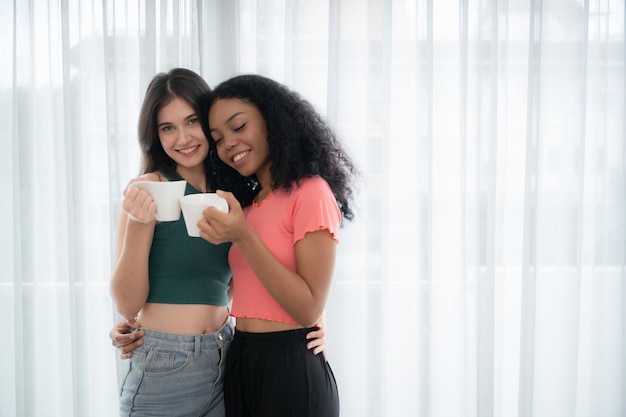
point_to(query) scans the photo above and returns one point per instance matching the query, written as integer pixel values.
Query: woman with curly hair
(283, 245)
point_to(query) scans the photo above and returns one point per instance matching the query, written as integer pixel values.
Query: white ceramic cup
(166, 195)
(194, 204)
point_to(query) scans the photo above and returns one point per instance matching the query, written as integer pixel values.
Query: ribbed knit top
(281, 220)
(187, 270)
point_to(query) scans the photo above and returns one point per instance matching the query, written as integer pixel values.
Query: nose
(230, 142)
(185, 134)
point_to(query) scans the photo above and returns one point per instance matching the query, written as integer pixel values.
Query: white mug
(166, 195)
(194, 204)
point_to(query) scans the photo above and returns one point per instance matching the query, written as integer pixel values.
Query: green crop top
(184, 269)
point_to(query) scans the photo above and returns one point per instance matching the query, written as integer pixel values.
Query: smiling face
(240, 134)
(181, 136)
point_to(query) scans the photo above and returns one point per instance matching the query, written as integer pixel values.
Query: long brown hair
(164, 87)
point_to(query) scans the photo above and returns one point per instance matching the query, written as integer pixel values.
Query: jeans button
(219, 336)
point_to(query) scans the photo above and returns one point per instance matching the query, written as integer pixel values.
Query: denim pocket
(162, 361)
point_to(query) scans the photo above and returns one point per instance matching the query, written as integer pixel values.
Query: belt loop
(196, 351)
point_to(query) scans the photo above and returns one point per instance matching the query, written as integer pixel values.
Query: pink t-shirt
(281, 220)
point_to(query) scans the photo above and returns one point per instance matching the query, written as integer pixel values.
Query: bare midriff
(263, 326)
(190, 319)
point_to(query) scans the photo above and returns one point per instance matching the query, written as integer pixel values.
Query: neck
(194, 177)
(265, 179)
(265, 191)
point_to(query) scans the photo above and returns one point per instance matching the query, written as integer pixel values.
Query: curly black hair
(301, 142)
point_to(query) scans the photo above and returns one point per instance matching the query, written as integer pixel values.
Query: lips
(188, 150)
(239, 156)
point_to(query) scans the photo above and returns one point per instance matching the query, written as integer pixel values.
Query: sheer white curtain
(485, 274)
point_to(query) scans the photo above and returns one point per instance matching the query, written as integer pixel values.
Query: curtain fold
(485, 273)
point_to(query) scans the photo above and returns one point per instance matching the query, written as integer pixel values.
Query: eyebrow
(192, 115)
(229, 119)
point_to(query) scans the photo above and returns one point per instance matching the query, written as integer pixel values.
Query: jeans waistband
(186, 341)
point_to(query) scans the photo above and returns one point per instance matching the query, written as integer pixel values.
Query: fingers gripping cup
(166, 195)
(194, 204)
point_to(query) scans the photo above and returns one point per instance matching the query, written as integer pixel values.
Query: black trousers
(274, 375)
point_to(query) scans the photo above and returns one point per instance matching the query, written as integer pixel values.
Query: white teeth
(188, 150)
(239, 156)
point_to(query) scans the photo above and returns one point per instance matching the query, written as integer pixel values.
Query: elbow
(309, 313)
(125, 307)
(129, 314)
(308, 324)
(126, 311)
(309, 318)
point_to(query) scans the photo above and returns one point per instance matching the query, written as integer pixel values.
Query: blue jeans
(177, 375)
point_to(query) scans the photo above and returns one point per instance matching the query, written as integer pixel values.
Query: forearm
(129, 284)
(129, 290)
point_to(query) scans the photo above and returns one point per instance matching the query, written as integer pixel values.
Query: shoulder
(314, 207)
(312, 184)
(313, 191)
(153, 176)
(306, 191)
